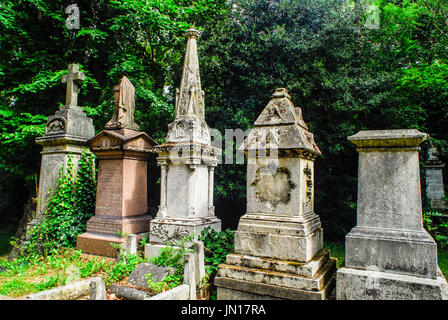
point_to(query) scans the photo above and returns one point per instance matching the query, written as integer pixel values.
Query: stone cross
(72, 78)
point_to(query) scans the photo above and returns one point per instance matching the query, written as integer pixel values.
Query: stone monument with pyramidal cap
(388, 254)
(187, 161)
(278, 244)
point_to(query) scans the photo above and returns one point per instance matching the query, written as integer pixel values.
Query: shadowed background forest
(345, 77)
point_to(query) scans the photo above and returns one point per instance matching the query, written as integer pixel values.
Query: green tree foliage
(140, 39)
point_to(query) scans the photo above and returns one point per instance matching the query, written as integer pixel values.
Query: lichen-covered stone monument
(187, 161)
(389, 254)
(434, 180)
(121, 199)
(66, 132)
(278, 244)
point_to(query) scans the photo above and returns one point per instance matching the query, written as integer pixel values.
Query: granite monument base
(170, 230)
(101, 244)
(258, 278)
(355, 284)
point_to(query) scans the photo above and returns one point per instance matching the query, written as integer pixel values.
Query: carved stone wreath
(162, 232)
(271, 188)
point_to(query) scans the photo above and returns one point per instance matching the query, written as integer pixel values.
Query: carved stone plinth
(247, 277)
(278, 244)
(389, 255)
(121, 200)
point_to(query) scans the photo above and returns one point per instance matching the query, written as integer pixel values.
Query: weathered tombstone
(434, 180)
(121, 199)
(278, 244)
(389, 254)
(187, 162)
(66, 132)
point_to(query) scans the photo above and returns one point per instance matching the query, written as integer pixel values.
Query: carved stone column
(163, 173)
(211, 207)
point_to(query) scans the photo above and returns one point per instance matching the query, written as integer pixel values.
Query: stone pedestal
(389, 255)
(278, 244)
(187, 161)
(66, 133)
(121, 200)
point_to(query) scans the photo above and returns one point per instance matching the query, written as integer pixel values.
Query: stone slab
(70, 291)
(181, 292)
(281, 279)
(100, 244)
(242, 289)
(396, 251)
(353, 284)
(283, 247)
(293, 267)
(138, 275)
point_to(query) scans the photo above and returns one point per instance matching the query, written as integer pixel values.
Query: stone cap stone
(122, 140)
(280, 126)
(388, 138)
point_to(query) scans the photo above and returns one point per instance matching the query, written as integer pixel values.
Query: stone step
(283, 279)
(308, 269)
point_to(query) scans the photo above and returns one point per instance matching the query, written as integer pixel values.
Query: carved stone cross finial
(72, 78)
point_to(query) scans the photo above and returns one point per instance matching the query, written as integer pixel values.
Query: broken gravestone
(138, 276)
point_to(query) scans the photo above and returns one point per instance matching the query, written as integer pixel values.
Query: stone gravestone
(187, 162)
(121, 199)
(389, 254)
(278, 244)
(434, 180)
(66, 132)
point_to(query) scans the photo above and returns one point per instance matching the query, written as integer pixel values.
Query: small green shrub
(173, 255)
(437, 225)
(217, 246)
(71, 204)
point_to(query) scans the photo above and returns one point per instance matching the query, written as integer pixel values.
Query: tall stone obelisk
(187, 161)
(66, 132)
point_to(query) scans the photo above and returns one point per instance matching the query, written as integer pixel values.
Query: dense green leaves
(70, 205)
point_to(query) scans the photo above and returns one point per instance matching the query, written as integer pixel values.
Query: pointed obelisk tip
(192, 33)
(281, 93)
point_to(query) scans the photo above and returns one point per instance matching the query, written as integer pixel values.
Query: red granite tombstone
(121, 199)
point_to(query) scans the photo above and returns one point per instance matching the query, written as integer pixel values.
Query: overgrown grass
(24, 277)
(443, 262)
(337, 250)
